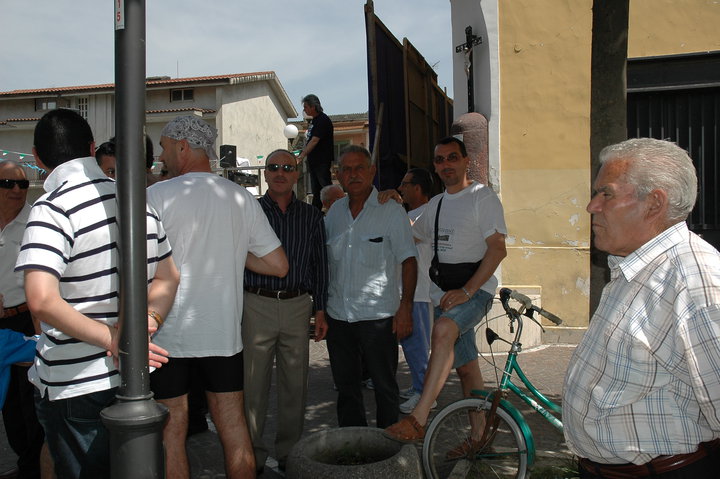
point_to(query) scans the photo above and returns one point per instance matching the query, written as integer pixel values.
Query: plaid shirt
(645, 379)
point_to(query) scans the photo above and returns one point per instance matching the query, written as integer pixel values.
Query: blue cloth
(79, 443)
(14, 348)
(416, 347)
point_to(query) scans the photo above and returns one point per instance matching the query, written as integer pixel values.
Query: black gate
(677, 98)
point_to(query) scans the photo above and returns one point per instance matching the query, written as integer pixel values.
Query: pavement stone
(545, 365)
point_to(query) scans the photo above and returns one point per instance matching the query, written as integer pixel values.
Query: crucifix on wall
(467, 47)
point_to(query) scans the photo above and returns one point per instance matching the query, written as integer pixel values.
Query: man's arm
(495, 253)
(402, 321)
(308, 148)
(275, 263)
(42, 290)
(162, 290)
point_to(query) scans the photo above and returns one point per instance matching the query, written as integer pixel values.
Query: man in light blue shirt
(366, 315)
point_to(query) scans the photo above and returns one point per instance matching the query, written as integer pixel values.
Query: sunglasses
(286, 168)
(10, 184)
(451, 158)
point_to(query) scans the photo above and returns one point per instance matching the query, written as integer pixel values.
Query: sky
(316, 46)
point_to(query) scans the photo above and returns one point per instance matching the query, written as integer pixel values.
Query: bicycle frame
(536, 400)
(511, 365)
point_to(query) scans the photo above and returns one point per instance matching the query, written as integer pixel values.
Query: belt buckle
(277, 294)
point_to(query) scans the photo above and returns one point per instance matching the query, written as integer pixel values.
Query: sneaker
(407, 393)
(409, 405)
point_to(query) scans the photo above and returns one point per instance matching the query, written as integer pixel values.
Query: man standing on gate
(366, 314)
(470, 229)
(277, 312)
(217, 229)
(24, 433)
(319, 148)
(642, 392)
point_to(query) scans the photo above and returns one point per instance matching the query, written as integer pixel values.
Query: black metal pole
(135, 421)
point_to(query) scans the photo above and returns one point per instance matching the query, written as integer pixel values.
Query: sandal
(406, 429)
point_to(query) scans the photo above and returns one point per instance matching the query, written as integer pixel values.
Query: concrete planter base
(352, 452)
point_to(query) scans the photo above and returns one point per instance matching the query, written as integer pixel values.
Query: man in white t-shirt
(471, 229)
(217, 228)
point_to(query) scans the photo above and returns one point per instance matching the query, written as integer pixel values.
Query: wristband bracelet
(466, 293)
(156, 316)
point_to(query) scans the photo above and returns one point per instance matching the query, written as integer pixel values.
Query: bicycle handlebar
(507, 293)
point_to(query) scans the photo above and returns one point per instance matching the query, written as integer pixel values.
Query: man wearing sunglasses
(23, 430)
(277, 311)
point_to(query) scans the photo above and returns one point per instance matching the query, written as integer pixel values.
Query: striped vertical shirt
(72, 233)
(301, 231)
(645, 379)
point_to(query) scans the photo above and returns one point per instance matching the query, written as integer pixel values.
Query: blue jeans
(416, 347)
(78, 441)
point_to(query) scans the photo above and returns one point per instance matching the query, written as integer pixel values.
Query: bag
(449, 275)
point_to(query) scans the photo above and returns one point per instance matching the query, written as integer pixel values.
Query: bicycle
(457, 445)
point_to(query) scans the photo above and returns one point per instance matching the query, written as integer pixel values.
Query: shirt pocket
(372, 251)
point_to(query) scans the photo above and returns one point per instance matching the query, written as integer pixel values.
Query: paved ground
(545, 366)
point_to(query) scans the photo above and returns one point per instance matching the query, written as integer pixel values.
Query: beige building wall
(667, 27)
(545, 149)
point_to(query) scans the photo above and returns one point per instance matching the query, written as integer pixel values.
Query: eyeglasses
(451, 158)
(286, 168)
(10, 184)
(406, 183)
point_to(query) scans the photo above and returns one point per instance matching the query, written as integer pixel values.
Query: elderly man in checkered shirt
(641, 395)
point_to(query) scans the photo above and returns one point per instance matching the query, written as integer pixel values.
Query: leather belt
(271, 293)
(658, 465)
(14, 311)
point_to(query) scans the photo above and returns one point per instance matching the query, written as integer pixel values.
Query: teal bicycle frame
(536, 400)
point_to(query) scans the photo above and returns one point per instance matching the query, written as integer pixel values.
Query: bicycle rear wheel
(448, 452)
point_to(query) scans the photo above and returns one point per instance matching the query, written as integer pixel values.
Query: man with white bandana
(217, 228)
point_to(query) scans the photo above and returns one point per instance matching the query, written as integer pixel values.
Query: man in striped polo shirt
(70, 258)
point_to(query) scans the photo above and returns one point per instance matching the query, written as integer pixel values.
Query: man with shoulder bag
(467, 229)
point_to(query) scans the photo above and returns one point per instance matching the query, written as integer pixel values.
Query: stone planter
(352, 452)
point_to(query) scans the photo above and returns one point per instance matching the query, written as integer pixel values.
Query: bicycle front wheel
(449, 449)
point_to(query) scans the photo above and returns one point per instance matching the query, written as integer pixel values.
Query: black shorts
(218, 374)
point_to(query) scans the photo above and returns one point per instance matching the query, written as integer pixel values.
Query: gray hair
(355, 149)
(313, 101)
(658, 164)
(325, 191)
